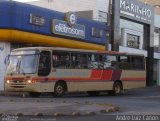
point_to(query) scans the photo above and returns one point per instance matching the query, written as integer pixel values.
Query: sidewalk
(14, 103)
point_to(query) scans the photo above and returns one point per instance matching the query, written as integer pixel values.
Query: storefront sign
(68, 27)
(97, 32)
(136, 10)
(71, 19)
(37, 20)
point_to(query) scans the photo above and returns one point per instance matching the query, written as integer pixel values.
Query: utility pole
(108, 26)
(114, 23)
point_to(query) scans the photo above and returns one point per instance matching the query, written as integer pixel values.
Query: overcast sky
(24, 0)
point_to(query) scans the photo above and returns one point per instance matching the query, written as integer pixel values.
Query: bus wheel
(93, 93)
(117, 88)
(60, 89)
(34, 94)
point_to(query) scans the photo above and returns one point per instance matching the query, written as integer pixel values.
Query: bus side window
(100, 62)
(74, 60)
(55, 60)
(110, 62)
(44, 67)
(79, 60)
(124, 62)
(138, 63)
(61, 59)
(93, 61)
(83, 60)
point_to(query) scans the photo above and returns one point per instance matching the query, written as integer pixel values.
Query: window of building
(156, 38)
(133, 41)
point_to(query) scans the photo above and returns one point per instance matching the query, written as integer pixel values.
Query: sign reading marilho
(69, 27)
(136, 10)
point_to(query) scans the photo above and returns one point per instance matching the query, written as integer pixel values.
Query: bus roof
(77, 50)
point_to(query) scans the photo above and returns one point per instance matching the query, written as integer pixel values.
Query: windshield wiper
(23, 71)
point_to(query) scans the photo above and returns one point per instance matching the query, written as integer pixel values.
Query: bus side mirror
(6, 60)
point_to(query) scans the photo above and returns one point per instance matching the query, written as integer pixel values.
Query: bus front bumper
(22, 88)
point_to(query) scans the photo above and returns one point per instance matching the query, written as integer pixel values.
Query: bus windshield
(22, 64)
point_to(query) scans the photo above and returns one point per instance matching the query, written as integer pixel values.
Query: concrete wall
(66, 5)
(85, 14)
(132, 50)
(157, 21)
(4, 51)
(153, 3)
(74, 5)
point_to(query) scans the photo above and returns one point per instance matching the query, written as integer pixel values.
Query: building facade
(131, 34)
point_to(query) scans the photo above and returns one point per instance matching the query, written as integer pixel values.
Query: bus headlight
(8, 81)
(29, 81)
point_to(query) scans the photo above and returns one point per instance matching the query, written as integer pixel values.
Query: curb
(58, 114)
(1, 114)
(19, 114)
(91, 113)
(39, 114)
(75, 114)
(110, 110)
(11, 100)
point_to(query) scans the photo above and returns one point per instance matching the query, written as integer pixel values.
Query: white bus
(38, 70)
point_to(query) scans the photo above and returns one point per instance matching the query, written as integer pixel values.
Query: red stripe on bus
(76, 81)
(66, 79)
(17, 78)
(134, 79)
(96, 74)
(10, 78)
(116, 75)
(107, 74)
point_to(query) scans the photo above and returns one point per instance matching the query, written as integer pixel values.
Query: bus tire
(117, 88)
(34, 94)
(93, 93)
(60, 89)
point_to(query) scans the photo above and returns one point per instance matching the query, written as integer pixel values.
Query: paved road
(144, 101)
